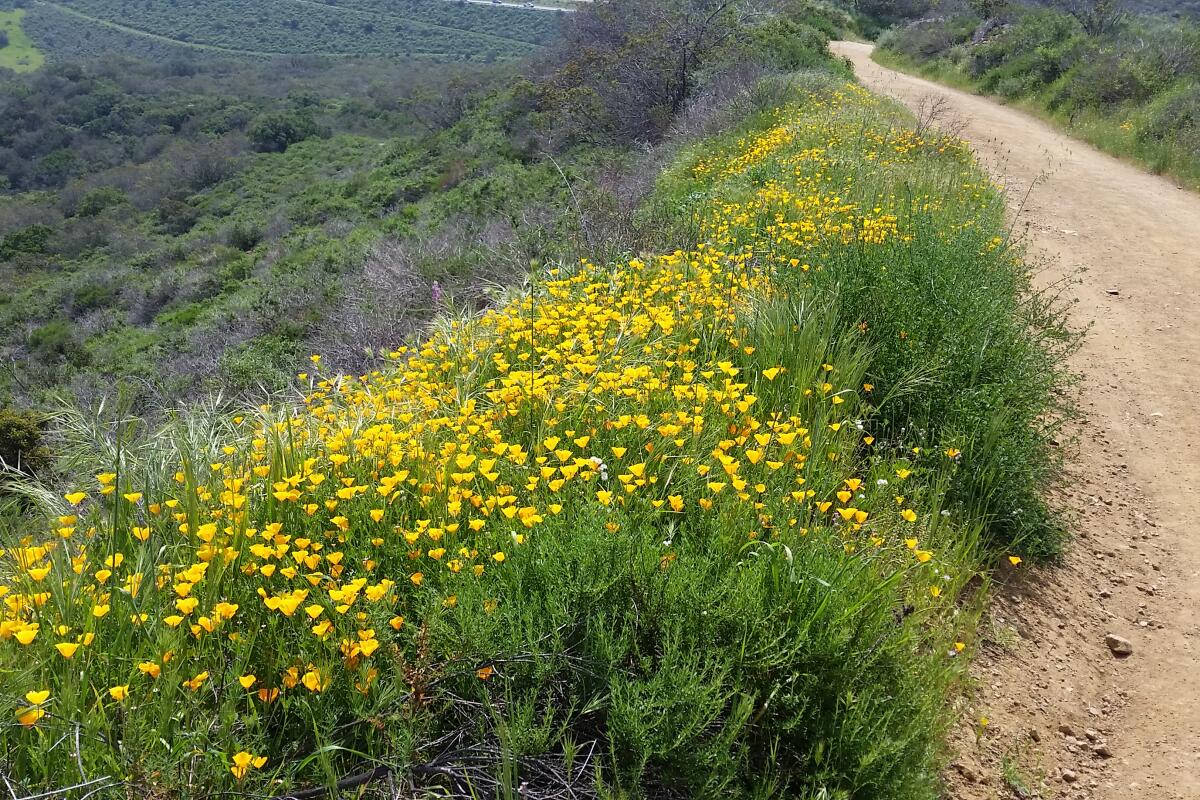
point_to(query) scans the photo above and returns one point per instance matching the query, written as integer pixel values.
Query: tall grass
(701, 523)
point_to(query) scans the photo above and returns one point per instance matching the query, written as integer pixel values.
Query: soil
(1068, 717)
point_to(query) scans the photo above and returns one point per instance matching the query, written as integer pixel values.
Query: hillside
(421, 29)
(1127, 84)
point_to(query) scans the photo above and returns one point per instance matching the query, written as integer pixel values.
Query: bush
(30, 240)
(262, 364)
(244, 235)
(99, 199)
(177, 217)
(53, 341)
(1174, 116)
(22, 435)
(274, 133)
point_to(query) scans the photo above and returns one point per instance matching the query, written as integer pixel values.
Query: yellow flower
(37, 697)
(75, 498)
(243, 762)
(119, 693)
(196, 682)
(28, 717)
(247, 681)
(1014, 560)
(312, 680)
(66, 649)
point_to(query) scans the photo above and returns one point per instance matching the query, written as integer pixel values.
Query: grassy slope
(702, 515)
(20, 55)
(1114, 132)
(310, 27)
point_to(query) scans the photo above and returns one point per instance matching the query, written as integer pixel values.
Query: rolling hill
(425, 29)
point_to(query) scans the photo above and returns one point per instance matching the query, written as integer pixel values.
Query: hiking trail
(1068, 718)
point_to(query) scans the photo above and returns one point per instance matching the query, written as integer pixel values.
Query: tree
(274, 133)
(1096, 17)
(626, 67)
(3, 39)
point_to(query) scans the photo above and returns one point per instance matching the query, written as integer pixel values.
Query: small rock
(1066, 730)
(1102, 751)
(1035, 734)
(966, 772)
(1119, 645)
(1091, 735)
(1114, 292)
(1069, 776)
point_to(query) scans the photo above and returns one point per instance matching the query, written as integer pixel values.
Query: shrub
(99, 199)
(29, 240)
(261, 364)
(52, 341)
(177, 217)
(1174, 116)
(22, 441)
(274, 133)
(244, 235)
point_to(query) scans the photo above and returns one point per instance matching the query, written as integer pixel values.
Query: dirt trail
(1067, 718)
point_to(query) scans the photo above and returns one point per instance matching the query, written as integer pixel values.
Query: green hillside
(393, 28)
(17, 52)
(1126, 83)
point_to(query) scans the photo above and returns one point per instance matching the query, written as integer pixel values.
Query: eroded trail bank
(1064, 711)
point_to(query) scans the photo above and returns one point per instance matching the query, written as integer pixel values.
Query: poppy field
(704, 522)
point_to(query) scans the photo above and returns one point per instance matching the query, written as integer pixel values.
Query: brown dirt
(1067, 719)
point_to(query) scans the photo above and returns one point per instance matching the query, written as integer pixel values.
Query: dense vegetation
(402, 28)
(155, 233)
(664, 406)
(1128, 84)
(675, 525)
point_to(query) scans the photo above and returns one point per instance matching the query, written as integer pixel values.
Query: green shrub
(274, 133)
(97, 200)
(264, 363)
(1174, 116)
(54, 340)
(244, 235)
(22, 441)
(29, 240)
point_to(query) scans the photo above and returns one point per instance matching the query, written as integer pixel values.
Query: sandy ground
(1067, 718)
